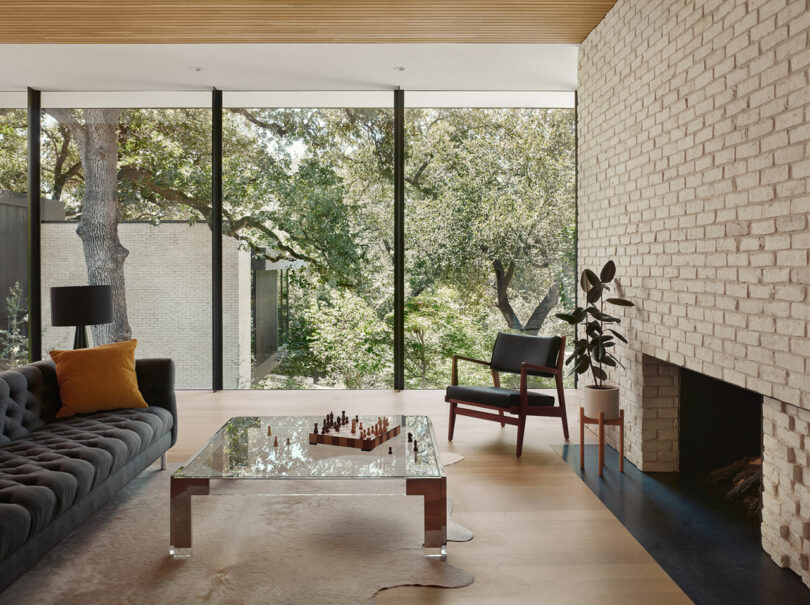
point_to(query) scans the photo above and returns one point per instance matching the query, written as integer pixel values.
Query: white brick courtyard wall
(168, 281)
(694, 172)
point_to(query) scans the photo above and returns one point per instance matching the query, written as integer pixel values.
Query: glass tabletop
(243, 449)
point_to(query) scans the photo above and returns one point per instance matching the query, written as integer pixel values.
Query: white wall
(168, 282)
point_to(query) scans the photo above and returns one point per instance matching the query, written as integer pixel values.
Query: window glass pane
(13, 237)
(131, 195)
(309, 193)
(489, 234)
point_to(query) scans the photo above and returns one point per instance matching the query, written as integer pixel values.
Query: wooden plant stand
(583, 420)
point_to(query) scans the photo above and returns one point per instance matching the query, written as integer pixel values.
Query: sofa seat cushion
(16, 523)
(499, 397)
(48, 470)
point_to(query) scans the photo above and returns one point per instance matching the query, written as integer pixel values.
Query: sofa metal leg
(163, 461)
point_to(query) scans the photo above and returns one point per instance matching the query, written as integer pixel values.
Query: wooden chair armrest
(524, 391)
(530, 366)
(478, 361)
(454, 370)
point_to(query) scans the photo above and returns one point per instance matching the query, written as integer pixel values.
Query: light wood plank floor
(541, 536)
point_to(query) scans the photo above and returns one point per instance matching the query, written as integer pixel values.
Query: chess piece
(316, 428)
(390, 450)
(288, 441)
(275, 441)
(356, 418)
(410, 437)
(354, 427)
(269, 432)
(415, 447)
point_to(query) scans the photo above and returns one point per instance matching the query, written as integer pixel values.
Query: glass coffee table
(272, 455)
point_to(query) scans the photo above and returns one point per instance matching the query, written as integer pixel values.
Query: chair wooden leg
(582, 438)
(564, 417)
(521, 430)
(452, 422)
(500, 413)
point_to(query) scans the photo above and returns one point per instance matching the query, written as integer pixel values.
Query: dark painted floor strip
(711, 552)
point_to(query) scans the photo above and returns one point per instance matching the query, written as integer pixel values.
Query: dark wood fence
(14, 242)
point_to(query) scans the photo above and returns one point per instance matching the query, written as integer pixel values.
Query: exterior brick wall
(168, 281)
(694, 176)
(785, 494)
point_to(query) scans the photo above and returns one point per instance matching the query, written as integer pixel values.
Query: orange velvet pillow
(97, 379)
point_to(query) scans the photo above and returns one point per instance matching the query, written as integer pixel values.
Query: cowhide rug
(247, 549)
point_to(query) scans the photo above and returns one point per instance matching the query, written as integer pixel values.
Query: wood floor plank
(541, 536)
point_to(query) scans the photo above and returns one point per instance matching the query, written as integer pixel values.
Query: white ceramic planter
(604, 399)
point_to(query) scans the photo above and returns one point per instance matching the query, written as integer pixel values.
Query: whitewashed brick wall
(785, 493)
(168, 281)
(694, 172)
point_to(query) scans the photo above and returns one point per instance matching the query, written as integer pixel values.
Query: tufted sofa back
(29, 399)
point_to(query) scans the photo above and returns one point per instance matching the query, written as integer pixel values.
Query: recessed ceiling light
(400, 68)
(196, 69)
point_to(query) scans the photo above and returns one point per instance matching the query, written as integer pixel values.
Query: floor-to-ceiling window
(308, 229)
(308, 191)
(13, 236)
(132, 186)
(490, 232)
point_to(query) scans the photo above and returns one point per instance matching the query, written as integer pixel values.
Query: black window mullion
(399, 239)
(216, 239)
(34, 293)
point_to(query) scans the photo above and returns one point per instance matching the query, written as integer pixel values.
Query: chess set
(350, 432)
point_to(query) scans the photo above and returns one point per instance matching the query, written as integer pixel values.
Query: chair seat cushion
(499, 397)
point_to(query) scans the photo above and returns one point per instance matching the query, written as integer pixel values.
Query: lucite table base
(434, 491)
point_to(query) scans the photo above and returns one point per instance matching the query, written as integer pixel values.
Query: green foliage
(13, 143)
(349, 342)
(315, 187)
(593, 351)
(439, 323)
(14, 340)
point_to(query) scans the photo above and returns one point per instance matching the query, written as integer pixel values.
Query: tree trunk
(502, 279)
(542, 310)
(98, 228)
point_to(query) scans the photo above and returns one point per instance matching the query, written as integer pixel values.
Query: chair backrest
(511, 350)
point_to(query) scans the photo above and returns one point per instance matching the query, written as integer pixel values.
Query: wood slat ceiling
(290, 21)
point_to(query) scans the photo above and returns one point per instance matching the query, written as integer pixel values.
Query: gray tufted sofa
(56, 473)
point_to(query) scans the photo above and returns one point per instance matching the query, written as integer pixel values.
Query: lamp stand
(80, 340)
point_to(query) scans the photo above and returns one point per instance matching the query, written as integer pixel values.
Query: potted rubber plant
(592, 352)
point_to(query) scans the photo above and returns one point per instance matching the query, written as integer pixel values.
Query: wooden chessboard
(344, 438)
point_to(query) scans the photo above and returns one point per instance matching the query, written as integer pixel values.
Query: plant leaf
(608, 271)
(594, 293)
(599, 373)
(588, 280)
(619, 336)
(568, 318)
(620, 301)
(597, 314)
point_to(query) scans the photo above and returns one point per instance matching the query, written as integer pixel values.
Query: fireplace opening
(720, 440)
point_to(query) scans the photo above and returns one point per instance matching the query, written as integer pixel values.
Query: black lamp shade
(81, 305)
